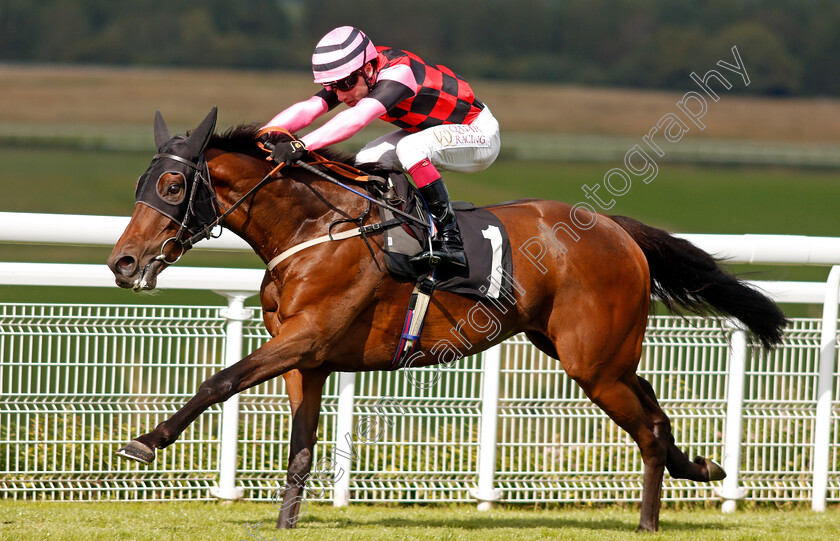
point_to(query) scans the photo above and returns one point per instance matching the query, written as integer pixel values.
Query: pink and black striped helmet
(341, 52)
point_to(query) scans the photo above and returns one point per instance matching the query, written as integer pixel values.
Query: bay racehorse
(582, 297)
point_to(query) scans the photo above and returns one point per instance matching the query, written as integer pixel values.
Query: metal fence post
(730, 491)
(344, 426)
(236, 314)
(822, 421)
(486, 493)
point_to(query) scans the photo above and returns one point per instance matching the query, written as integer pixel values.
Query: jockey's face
(360, 90)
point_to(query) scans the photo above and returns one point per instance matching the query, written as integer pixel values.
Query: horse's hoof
(139, 452)
(716, 473)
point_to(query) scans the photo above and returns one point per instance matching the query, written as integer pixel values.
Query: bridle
(200, 178)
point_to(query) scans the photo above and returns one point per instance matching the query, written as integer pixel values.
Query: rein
(373, 200)
(206, 231)
(339, 168)
(202, 176)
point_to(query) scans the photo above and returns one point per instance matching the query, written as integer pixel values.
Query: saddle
(486, 245)
(489, 270)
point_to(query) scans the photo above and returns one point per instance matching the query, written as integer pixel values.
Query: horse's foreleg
(305, 389)
(289, 349)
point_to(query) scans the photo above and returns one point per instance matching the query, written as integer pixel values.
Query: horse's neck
(286, 211)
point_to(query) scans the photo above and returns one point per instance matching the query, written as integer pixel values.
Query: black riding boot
(447, 245)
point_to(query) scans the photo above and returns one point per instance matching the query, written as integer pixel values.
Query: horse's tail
(685, 277)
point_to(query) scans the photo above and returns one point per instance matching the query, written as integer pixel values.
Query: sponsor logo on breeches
(459, 134)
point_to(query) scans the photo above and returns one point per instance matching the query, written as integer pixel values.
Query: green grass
(202, 521)
(682, 198)
(69, 181)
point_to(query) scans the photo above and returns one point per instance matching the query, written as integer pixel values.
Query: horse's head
(174, 201)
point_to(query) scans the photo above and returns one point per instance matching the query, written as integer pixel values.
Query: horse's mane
(243, 139)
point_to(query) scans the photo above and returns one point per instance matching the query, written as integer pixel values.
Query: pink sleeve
(345, 124)
(401, 74)
(299, 115)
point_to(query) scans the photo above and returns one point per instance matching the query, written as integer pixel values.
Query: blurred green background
(643, 43)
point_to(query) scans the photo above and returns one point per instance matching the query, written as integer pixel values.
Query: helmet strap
(369, 81)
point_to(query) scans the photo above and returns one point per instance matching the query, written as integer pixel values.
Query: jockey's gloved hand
(288, 152)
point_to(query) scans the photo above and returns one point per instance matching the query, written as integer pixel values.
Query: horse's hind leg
(679, 466)
(606, 371)
(619, 400)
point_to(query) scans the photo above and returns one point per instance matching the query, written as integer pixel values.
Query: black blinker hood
(185, 156)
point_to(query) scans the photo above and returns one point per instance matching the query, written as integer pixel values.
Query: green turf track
(213, 521)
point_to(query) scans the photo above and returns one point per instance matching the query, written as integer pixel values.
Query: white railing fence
(508, 425)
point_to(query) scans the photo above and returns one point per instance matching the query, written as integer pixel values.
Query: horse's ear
(198, 139)
(161, 131)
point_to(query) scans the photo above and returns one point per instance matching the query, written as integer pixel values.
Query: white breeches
(450, 147)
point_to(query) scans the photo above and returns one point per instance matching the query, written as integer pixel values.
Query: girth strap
(350, 233)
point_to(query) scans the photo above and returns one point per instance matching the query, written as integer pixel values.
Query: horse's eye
(171, 187)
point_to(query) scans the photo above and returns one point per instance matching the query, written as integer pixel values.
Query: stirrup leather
(417, 307)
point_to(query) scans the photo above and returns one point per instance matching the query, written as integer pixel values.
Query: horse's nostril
(126, 265)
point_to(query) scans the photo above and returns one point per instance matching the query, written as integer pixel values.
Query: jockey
(442, 124)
